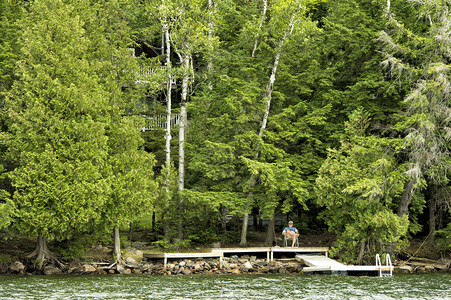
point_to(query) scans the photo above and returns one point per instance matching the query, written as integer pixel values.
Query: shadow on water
(424, 286)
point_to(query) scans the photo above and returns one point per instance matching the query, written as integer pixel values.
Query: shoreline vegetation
(98, 259)
(244, 264)
(197, 123)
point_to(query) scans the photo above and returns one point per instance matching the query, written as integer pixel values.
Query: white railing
(160, 121)
(146, 72)
(388, 265)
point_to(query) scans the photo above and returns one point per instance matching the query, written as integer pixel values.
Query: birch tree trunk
(267, 98)
(168, 122)
(182, 129)
(210, 37)
(265, 5)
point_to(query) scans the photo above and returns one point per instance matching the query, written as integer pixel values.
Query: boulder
(87, 268)
(121, 270)
(51, 270)
(429, 268)
(101, 271)
(247, 265)
(404, 269)
(17, 266)
(186, 272)
(130, 260)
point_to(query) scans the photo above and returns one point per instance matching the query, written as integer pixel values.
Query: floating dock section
(323, 265)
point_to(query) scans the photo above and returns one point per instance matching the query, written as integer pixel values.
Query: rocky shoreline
(244, 264)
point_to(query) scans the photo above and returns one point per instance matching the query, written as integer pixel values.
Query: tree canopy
(204, 115)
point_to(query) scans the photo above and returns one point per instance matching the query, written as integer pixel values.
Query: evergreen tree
(421, 52)
(66, 132)
(358, 185)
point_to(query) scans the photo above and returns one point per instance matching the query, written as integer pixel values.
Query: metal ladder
(388, 264)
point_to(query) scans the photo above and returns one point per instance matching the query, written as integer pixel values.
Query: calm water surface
(425, 286)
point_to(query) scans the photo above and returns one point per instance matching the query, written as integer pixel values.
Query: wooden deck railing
(146, 72)
(155, 121)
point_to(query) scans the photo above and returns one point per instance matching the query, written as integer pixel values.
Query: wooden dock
(268, 252)
(316, 259)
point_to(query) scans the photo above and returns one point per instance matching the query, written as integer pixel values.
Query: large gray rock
(120, 269)
(130, 260)
(17, 266)
(403, 269)
(87, 268)
(51, 270)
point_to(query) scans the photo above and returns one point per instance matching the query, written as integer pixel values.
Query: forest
(200, 121)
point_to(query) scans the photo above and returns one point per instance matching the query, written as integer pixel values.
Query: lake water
(400, 286)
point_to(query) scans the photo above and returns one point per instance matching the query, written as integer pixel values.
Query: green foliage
(172, 247)
(75, 249)
(5, 259)
(76, 161)
(9, 46)
(446, 233)
(357, 186)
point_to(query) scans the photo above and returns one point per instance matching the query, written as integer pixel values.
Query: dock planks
(322, 264)
(316, 259)
(221, 252)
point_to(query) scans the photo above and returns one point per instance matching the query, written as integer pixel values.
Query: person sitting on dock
(291, 232)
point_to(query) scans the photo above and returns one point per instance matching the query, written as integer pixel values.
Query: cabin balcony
(155, 121)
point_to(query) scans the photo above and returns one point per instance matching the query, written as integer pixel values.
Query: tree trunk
(168, 124)
(403, 208)
(265, 5)
(432, 205)
(267, 97)
(210, 38)
(270, 233)
(272, 78)
(243, 242)
(361, 252)
(41, 251)
(406, 197)
(223, 209)
(117, 245)
(182, 131)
